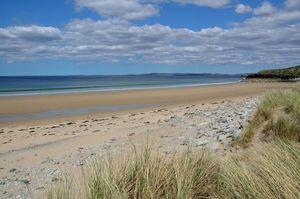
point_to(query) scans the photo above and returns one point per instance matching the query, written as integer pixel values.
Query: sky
(91, 37)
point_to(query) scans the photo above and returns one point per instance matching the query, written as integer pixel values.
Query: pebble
(12, 170)
(131, 134)
(25, 181)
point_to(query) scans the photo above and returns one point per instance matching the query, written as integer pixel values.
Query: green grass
(278, 116)
(266, 171)
(270, 168)
(149, 175)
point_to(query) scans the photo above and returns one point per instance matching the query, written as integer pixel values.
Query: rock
(222, 120)
(12, 170)
(164, 136)
(131, 134)
(202, 143)
(221, 137)
(236, 134)
(25, 181)
(54, 172)
(194, 142)
(54, 179)
(79, 163)
(14, 178)
(56, 162)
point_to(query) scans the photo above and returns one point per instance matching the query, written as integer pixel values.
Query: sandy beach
(127, 101)
(35, 154)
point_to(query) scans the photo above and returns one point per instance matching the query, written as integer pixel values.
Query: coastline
(135, 99)
(96, 90)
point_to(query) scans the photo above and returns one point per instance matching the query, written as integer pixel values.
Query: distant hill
(285, 74)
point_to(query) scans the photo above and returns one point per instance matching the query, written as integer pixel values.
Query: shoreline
(74, 91)
(160, 98)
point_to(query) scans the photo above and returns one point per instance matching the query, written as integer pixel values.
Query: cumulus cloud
(31, 33)
(125, 9)
(265, 9)
(138, 9)
(272, 38)
(280, 18)
(242, 9)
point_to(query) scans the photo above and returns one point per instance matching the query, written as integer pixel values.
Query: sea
(43, 85)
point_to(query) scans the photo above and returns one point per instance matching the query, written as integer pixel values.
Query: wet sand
(134, 99)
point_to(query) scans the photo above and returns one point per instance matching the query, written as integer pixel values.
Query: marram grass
(149, 175)
(269, 170)
(277, 116)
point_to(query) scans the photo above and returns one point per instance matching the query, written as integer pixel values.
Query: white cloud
(208, 3)
(280, 18)
(31, 33)
(125, 9)
(265, 9)
(242, 9)
(292, 4)
(272, 38)
(138, 9)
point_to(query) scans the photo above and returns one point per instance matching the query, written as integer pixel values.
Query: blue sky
(72, 37)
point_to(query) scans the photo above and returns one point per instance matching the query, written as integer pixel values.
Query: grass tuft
(267, 171)
(278, 115)
(148, 175)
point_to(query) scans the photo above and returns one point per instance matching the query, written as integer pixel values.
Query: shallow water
(14, 86)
